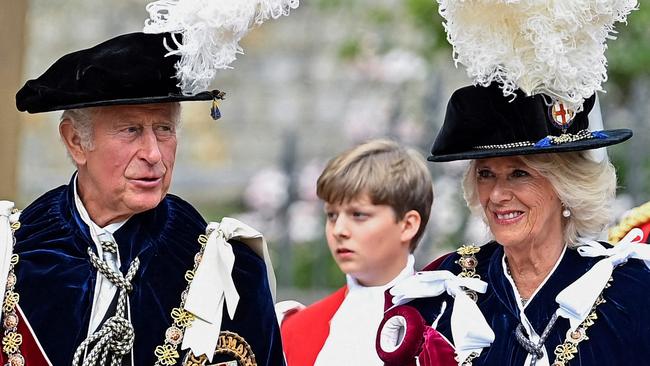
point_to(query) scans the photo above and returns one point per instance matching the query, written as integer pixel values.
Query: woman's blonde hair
(584, 186)
(390, 175)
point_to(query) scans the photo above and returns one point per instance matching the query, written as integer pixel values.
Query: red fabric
(436, 263)
(646, 231)
(305, 331)
(411, 344)
(29, 348)
(419, 340)
(436, 350)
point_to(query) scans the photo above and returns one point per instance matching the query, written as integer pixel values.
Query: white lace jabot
(353, 328)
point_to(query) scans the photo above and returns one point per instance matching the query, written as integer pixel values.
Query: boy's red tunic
(301, 344)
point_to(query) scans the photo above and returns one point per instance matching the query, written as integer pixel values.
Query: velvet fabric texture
(132, 68)
(56, 279)
(419, 339)
(29, 349)
(478, 116)
(619, 335)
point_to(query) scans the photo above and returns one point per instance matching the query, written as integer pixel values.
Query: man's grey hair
(82, 122)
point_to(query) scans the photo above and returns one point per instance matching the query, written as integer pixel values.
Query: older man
(105, 263)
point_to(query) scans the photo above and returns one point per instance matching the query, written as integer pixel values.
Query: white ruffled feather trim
(211, 31)
(555, 47)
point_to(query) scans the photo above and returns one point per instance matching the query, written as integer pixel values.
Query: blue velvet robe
(56, 279)
(620, 335)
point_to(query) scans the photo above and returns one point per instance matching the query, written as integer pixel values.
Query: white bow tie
(578, 298)
(470, 330)
(213, 287)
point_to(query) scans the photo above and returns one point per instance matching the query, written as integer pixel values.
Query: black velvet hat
(481, 123)
(129, 69)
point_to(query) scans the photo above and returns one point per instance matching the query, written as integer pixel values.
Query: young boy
(378, 197)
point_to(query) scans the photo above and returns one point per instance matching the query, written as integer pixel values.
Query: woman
(552, 297)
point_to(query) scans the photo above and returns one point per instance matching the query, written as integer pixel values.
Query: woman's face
(520, 204)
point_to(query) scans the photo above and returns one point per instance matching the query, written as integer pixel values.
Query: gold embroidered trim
(167, 353)
(639, 215)
(468, 263)
(235, 345)
(549, 140)
(12, 340)
(566, 351)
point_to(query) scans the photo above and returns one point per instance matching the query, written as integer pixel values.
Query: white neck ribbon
(577, 300)
(213, 286)
(470, 330)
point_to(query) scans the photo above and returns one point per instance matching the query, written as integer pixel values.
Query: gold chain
(167, 353)
(468, 263)
(12, 340)
(566, 351)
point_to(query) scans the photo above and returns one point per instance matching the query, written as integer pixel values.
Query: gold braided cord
(166, 354)
(638, 216)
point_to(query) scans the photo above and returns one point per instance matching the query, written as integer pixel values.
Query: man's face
(129, 168)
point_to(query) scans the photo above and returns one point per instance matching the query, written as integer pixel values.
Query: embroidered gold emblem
(230, 343)
(181, 317)
(566, 351)
(468, 250)
(11, 300)
(468, 263)
(191, 360)
(167, 354)
(189, 275)
(11, 342)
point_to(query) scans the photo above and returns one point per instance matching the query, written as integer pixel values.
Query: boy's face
(367, 241)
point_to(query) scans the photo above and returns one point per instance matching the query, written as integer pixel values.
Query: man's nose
(150, 149)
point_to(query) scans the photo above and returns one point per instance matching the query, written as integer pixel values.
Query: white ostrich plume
(211, 31)
(555, 47)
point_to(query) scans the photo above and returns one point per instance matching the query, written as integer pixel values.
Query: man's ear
(410, 225)
(72, 142)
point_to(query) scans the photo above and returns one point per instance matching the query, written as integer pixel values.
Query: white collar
(352, 329)
(110, 228)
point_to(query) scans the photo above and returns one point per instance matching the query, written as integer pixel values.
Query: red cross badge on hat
(561, 116)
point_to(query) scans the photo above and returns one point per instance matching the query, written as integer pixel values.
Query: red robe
(30, 349)
(303, 344)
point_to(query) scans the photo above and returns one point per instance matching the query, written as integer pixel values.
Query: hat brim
(128, 101)
(613, 137)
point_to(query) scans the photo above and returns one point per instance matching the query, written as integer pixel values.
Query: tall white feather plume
(555, 47)
(211, 31)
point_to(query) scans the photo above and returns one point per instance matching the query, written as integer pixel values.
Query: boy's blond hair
(390, 175)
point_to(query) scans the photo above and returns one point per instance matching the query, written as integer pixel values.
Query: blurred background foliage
(332, 74)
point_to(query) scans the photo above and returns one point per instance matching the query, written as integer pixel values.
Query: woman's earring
(566, 212)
